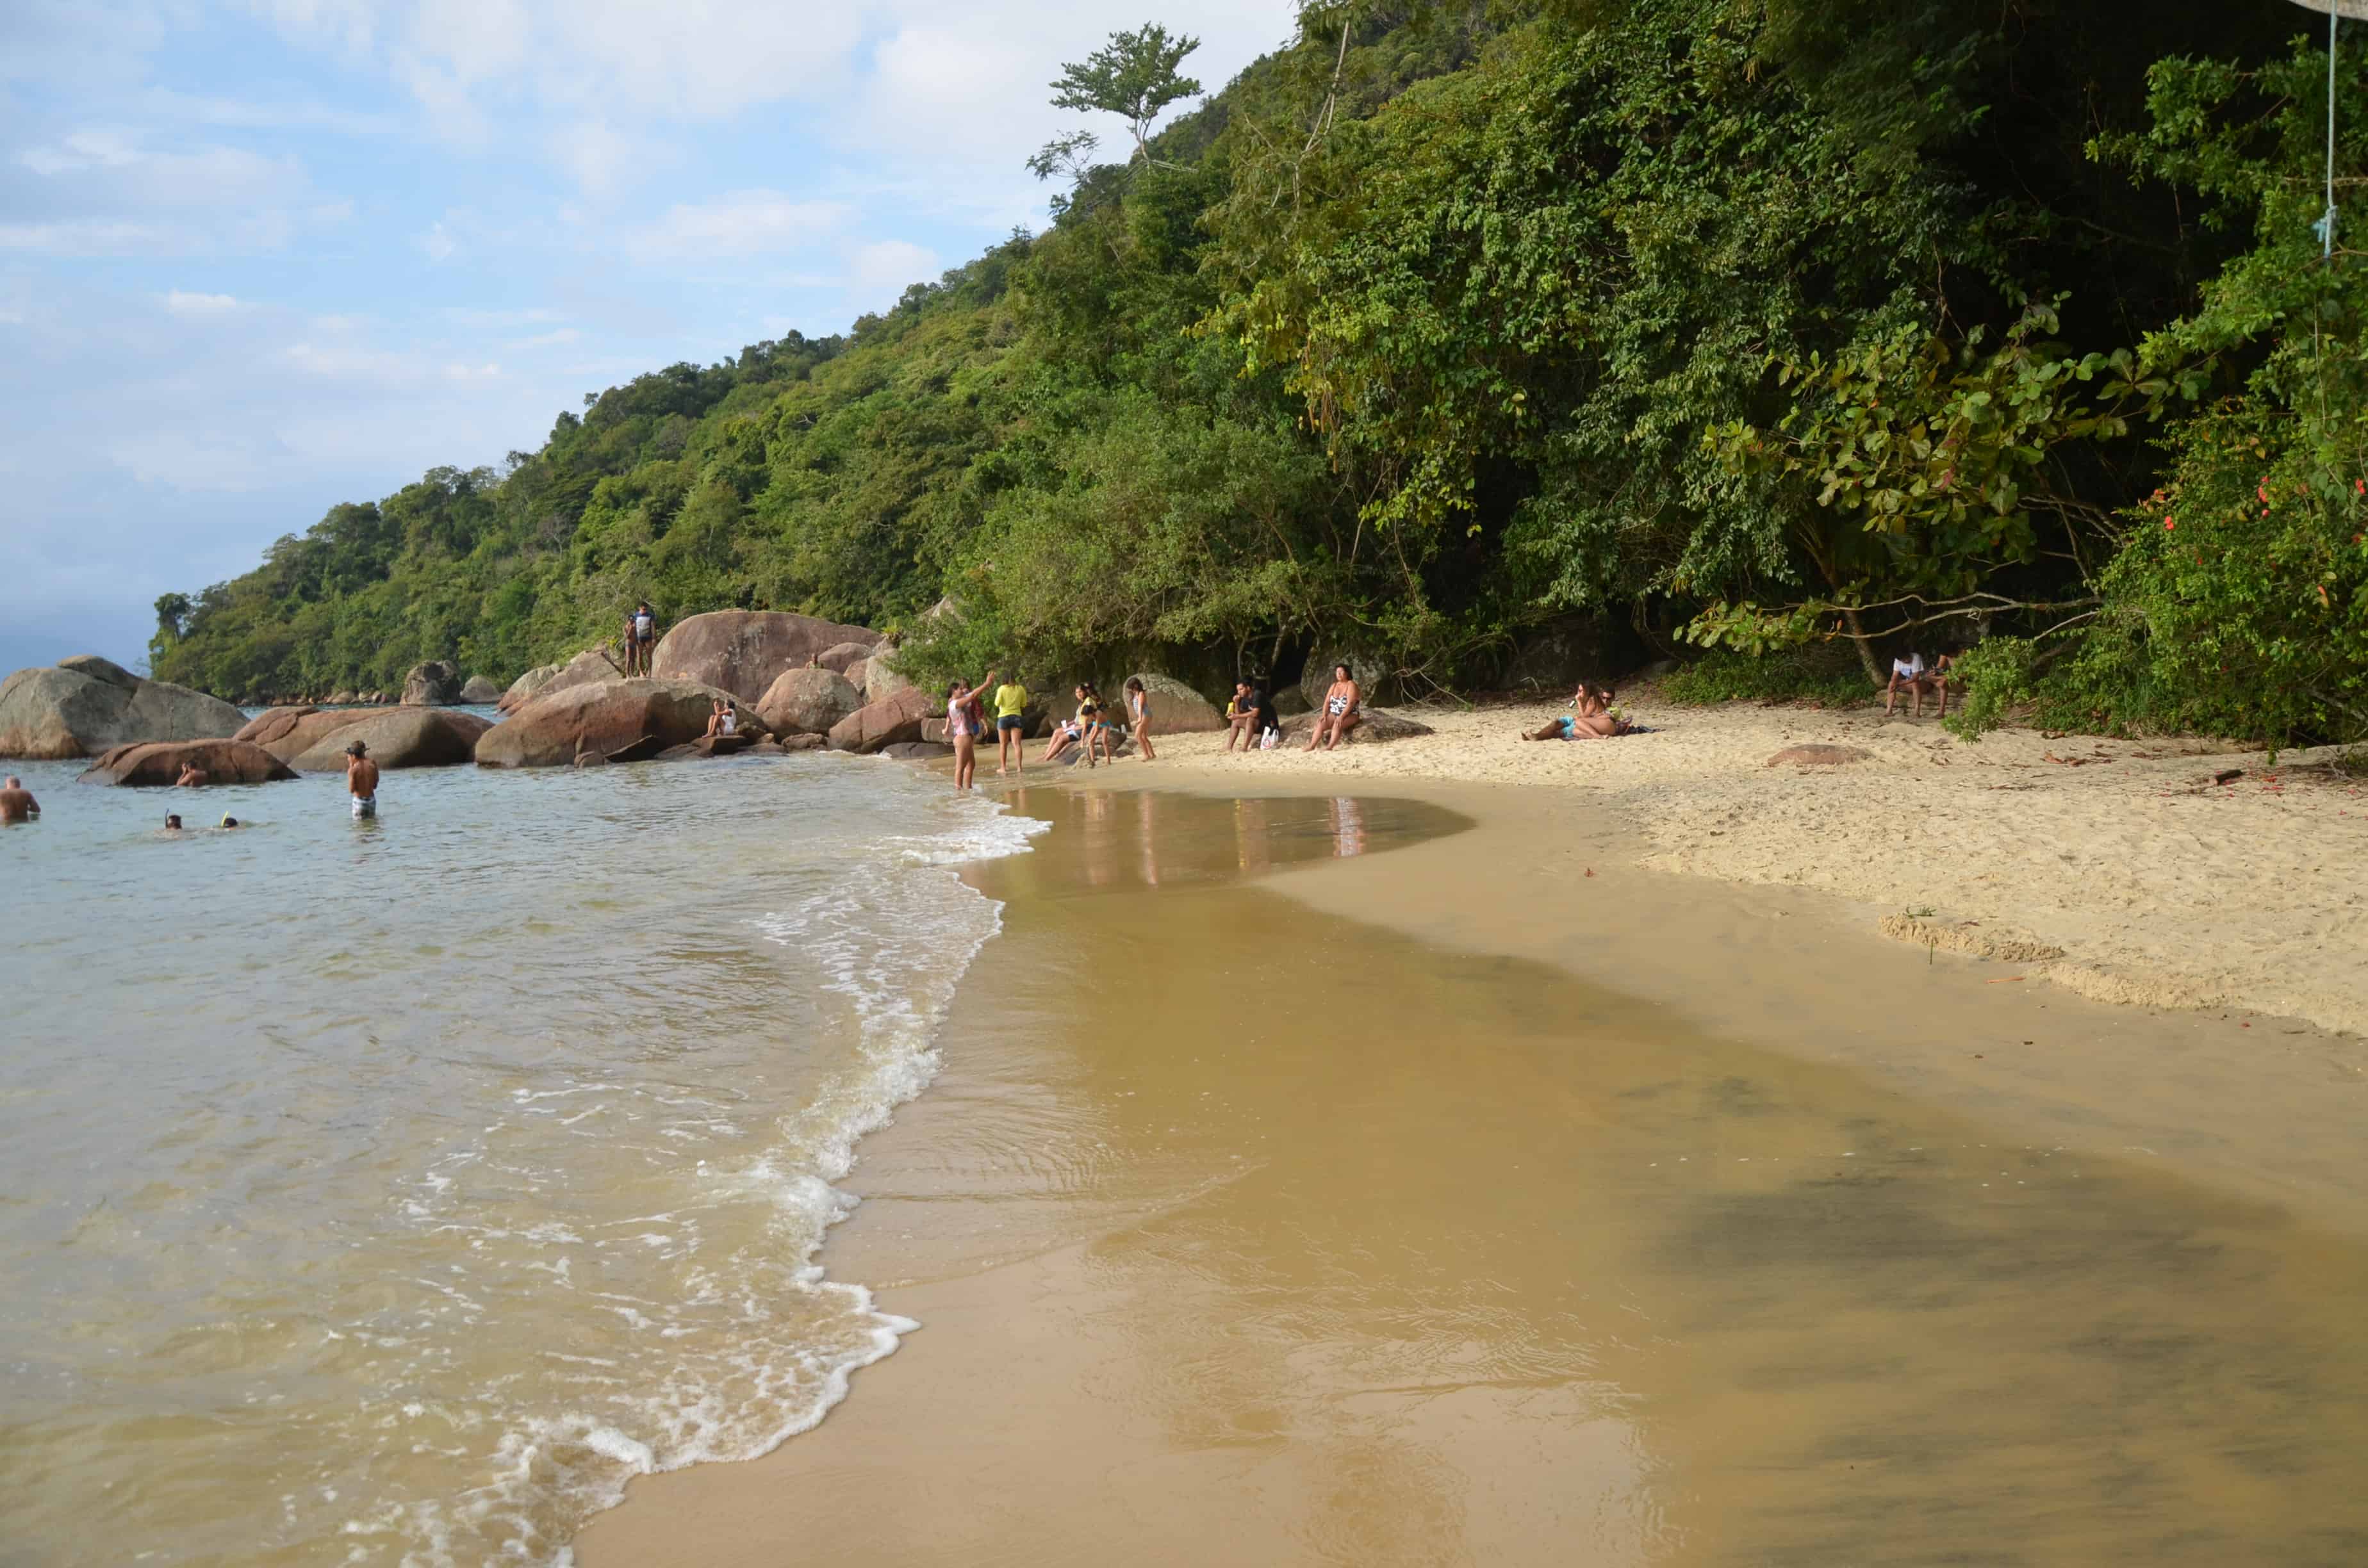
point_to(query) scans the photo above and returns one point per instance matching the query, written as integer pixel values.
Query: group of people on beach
(1098, 728)
(1591, 718)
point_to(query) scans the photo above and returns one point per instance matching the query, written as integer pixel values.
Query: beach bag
(1267, 740)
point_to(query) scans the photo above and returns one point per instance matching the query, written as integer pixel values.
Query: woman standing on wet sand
(959, 697)
(1138, 710)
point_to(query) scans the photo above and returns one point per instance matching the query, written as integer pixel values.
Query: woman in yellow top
(1010, 721)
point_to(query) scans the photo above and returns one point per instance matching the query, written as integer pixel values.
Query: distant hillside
(1795, 329)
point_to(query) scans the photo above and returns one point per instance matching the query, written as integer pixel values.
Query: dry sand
(2155, 886)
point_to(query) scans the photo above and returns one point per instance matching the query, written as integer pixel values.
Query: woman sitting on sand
(1590, 717)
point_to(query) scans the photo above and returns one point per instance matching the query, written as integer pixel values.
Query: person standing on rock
(645, 638)
(17, 803)
(1010, 721)
(361, 781)
(1340, 712)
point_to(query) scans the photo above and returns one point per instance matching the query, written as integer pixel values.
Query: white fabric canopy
(2355, 9)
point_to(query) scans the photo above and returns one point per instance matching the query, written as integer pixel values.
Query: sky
(260, 257)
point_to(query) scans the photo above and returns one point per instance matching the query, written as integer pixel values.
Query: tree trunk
(1865, 654)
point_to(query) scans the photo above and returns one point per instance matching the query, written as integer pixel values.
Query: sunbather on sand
(1590, 719)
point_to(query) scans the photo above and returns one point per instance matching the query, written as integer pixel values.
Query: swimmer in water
(230, 822)
(172, 822)
(17, 803)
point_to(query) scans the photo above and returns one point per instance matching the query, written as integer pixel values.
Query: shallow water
(389, 1191)
(1251, 1235)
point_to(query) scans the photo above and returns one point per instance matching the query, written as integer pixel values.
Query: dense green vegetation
(1796, 330)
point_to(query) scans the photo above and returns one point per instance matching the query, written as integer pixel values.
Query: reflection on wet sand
(1384, 1256)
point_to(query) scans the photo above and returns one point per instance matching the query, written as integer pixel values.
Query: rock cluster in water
(85, 705)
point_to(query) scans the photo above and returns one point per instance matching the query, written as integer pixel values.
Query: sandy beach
(1352, 1159)
(2152, 885)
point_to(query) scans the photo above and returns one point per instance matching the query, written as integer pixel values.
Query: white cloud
(892, 265)
(437, 243)
(744, 224)
(107, 191)
(182, 302)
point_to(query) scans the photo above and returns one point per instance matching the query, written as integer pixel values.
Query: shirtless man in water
(361, 781)
(17, 803)
(192, 778)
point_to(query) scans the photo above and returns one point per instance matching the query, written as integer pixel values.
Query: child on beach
(1138, 703)
(961, 701)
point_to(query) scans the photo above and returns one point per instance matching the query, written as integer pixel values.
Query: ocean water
(392, 1192)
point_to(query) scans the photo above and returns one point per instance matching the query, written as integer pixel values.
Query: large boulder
(86, 705)
(432, 685)
(407, 737)
(891, 721)
(100, 670)
(477, 691)
(744, 651)
(1176, 708)
(159, 763)
(289, 732)
(1377, 724)
(613, 721)
(526, 686)
(807, 702)
(1372, 675)
(844, 656)
(881, 680)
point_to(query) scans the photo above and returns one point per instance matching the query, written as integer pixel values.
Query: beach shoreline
(1560, 925)
(2113, 868)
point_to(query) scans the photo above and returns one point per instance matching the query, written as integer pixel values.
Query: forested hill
(1793, 330)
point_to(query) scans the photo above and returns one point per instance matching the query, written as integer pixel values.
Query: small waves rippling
(395, 1193)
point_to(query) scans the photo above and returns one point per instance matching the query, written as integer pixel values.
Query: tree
(1134, 78)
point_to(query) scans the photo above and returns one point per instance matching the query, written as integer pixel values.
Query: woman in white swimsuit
(1339, 715)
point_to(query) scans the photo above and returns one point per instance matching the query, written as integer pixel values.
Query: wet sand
(1342, 1213)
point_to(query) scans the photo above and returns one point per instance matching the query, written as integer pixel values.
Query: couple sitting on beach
(1909, 674)
(1591, 718)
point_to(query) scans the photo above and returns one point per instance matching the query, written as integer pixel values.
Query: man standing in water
(1010, 720)
(361, 781)
(17, 803)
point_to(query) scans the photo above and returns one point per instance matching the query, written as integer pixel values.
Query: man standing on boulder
(645, 638)
(361, 781)
(17, 803)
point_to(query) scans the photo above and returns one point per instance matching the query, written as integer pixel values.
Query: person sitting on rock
(192, 776)
(361, 781)
(1340, 713)
(1067, 732)
(17, 803)
(1909, 674)
(722, 719)
(1239, 712)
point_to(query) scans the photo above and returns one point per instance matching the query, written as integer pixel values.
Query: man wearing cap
(361, 781)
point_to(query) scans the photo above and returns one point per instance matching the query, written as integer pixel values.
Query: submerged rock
(916, 751)
(149, 764)
(87, 704)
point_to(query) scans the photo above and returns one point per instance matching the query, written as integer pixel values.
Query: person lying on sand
(17, 803)
(1339, 713)
(192, 776)
(1590, 719)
